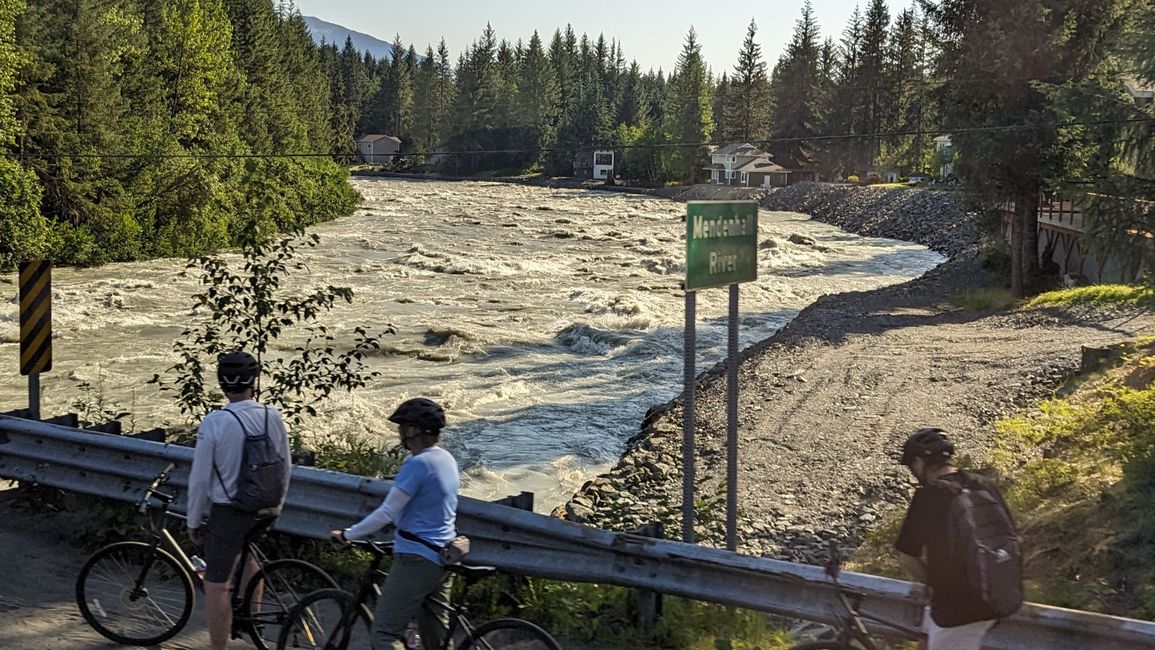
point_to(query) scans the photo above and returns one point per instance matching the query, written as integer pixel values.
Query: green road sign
(721, 243)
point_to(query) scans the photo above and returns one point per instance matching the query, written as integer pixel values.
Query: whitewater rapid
(546, 321)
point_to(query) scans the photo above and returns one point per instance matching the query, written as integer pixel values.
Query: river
(546, 321)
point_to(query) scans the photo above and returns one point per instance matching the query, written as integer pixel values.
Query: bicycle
(849, 632)
(335, 619)
(142, 593)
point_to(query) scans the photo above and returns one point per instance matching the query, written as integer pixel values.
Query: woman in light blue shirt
(422, 504)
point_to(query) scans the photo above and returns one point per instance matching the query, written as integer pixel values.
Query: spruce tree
(987, 88)
(1117, 158)
(748, 111)
(537, 96)
(909, 83)
(795, 89)
(690, 114)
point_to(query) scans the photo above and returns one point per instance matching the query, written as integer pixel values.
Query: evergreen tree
(690, 115)
(23, 230)
(630, 107)
(909, 84)
(796, 87)
(354, 91)
(875, 91)
(1040, 45)
(724, 129)
(537, 96)
(263, 89)
(1118, 156)
(748, 111)
(563, 58)
(844, 106)
(308, 85)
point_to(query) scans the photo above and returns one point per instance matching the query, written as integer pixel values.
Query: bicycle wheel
(273, 592)
(329, 619)
(111, 602)
(510, 634)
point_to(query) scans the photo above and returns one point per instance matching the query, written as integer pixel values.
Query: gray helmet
(929, 443)
(420, 412)
(237, 371)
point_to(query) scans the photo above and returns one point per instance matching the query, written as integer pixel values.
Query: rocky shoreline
(826, 401)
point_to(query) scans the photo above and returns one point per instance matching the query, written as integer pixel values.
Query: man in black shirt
(959, 618)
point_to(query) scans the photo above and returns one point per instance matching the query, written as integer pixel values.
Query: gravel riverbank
(824, 403)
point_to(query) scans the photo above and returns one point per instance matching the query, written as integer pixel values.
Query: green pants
(411, 580)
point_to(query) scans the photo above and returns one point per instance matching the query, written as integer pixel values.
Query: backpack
(981, 535)
(263, 474)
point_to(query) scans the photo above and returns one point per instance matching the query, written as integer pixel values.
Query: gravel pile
(934, 218)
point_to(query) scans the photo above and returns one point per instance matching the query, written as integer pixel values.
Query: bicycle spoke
(128, 608)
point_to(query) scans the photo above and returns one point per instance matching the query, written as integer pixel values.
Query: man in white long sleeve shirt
(213, 486)
(422, 504)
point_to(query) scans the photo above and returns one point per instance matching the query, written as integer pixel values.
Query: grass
(1099, 294)
(984, 299)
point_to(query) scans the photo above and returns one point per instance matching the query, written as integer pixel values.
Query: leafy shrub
(248, 309)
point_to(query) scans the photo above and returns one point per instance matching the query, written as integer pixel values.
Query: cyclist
(959, 618)
(213, 480)
(422, 504)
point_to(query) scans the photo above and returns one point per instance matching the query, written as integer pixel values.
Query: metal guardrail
(524, 542)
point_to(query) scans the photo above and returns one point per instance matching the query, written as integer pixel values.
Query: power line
(662, 145)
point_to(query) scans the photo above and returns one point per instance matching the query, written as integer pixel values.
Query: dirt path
(825, 404)
(40, 560)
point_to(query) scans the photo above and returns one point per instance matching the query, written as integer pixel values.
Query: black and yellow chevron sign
(35, 318)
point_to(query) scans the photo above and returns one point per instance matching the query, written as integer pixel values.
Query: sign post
(721, 250)
(35, 328)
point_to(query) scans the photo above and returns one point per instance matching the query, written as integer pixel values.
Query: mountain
(333, 33)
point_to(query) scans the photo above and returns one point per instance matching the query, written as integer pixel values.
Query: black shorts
(226, 533)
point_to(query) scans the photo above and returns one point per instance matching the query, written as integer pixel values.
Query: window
(604, 158)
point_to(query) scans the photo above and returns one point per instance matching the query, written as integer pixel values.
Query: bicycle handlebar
(375, 547)
(153, 490)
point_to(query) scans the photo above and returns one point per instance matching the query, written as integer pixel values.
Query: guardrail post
(523, 501)
(649, 601)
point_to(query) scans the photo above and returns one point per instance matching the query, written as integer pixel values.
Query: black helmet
(420, 412)
(237, 371)
(931, 444)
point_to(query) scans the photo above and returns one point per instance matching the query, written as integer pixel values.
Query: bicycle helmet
(237, 371)
(420, 412)
(929, 443)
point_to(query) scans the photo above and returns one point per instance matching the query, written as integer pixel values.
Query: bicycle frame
(851, 624)
(368, 589)
(154, 505)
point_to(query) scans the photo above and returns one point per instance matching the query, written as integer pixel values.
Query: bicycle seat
(471, 573)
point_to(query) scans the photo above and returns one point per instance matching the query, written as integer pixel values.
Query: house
(378, 148)
(598, 164)
(1143, 94)
(747, 166)
(944, 154)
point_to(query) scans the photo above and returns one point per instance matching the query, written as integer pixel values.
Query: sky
(651, 31)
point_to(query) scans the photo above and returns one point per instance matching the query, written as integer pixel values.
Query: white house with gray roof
(747, 166)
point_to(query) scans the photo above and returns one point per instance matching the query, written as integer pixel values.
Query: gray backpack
(263, 474)
(982, 536)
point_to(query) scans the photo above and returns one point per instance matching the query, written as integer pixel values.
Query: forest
(133, 129)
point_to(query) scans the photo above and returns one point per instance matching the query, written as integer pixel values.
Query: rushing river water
(546, 321)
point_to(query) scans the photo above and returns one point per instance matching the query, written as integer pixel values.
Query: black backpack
(263, 475)
(981, 535)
